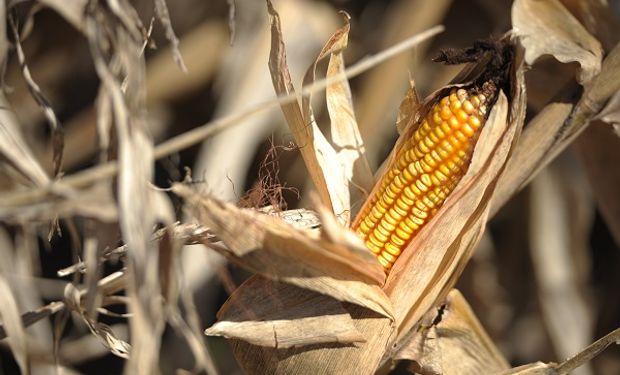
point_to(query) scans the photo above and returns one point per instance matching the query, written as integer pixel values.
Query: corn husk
(547, 27)
(451, 340)
(270, 319)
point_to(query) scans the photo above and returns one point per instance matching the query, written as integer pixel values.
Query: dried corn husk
(267, 317)
(359, 320)
(451, 340)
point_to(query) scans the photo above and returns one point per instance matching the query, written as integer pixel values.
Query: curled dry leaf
(345, 134)
(190, 234)
(74, 301)
(115, 34)
(304, 133)
(57, 132)
(450, 340)
(110, 284)
(14, 151)
(336, 173)
(548, 28)
(268, 246)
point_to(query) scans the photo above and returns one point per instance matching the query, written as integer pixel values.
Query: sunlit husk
(418, 281)
(548, 28)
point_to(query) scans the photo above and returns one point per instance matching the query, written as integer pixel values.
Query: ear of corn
(425, 170)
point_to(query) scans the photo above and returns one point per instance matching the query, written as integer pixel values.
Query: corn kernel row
(425, 170)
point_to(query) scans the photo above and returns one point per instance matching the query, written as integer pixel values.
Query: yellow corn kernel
(423, 173)
(468, 107)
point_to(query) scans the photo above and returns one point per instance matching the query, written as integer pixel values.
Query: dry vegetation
(158, 167)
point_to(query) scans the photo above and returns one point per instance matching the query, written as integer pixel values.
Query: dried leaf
(451, 340)
(161, 10)
(190, 234)
(92, 298)
(267, 245)
(116, 30)
(338, 166)
(547, 28)
(74, 300)
(112, 283)
(57, 132)
(331, 358)
(271, 314)
(305, 134)
(346, 137)
(598, 17)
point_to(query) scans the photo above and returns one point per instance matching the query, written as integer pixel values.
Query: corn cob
(424, 171)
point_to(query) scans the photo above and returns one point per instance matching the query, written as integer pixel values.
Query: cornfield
(310, 187)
